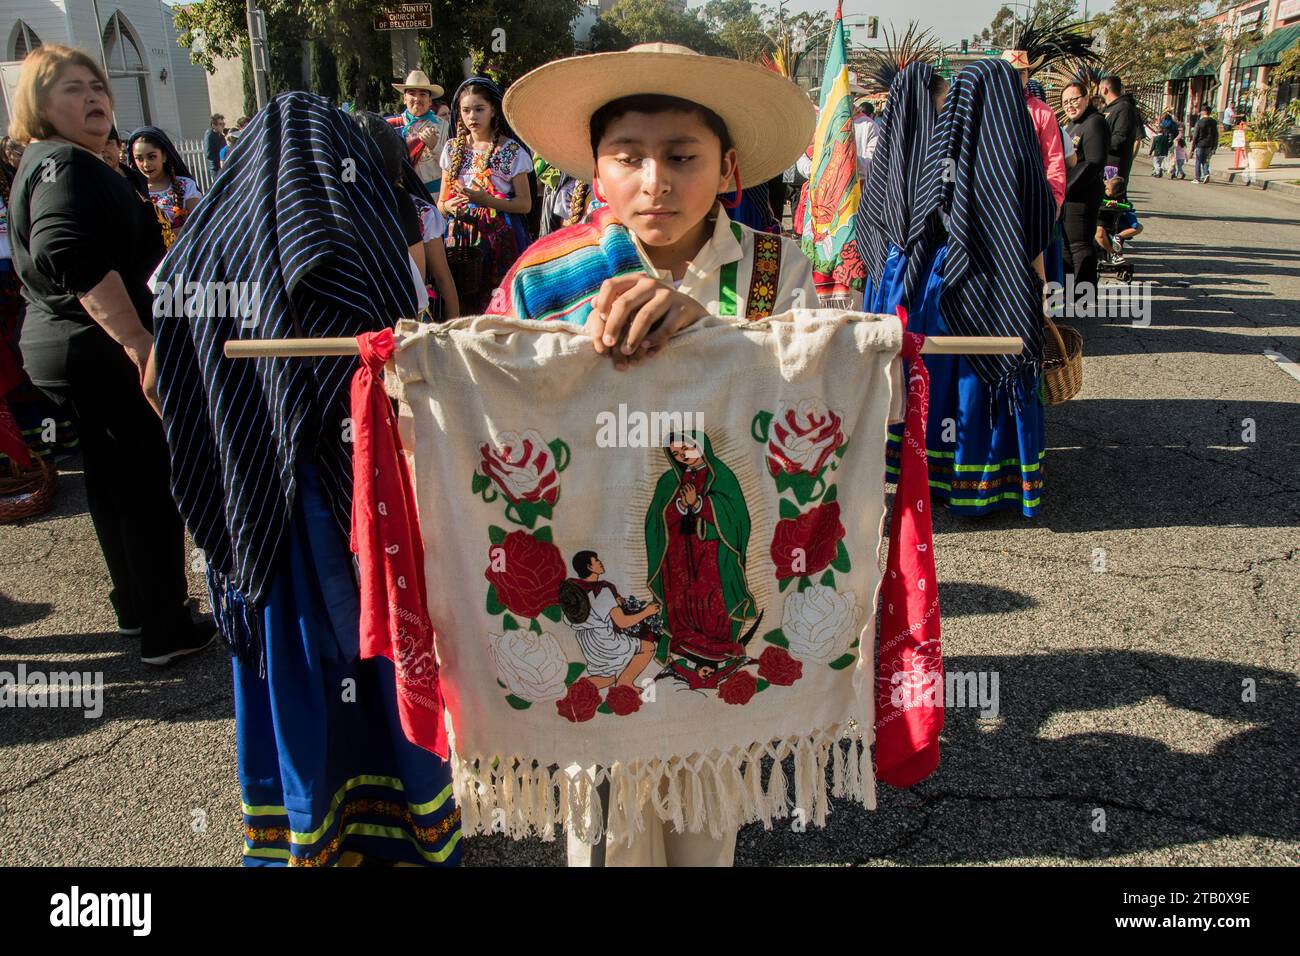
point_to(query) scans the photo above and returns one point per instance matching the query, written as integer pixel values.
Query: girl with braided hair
(172, 189)
(485, 185)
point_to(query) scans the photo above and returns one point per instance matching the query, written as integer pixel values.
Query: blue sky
(950, 20)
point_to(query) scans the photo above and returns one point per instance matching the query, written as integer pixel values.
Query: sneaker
(1118, 259)
(161, 651)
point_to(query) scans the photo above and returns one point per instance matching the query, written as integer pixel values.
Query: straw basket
(27, 492)
(1062, 363)
(465, 261)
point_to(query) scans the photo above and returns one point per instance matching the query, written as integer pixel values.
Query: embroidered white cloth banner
(664, 574)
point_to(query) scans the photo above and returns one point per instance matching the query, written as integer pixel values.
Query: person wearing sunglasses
(1083, 185)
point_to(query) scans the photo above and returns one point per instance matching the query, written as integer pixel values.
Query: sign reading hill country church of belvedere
(406, 16)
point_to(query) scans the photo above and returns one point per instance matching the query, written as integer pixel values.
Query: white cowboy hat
(770, 120)
(419, 80)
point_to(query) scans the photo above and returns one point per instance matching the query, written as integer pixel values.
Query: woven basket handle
(1056, 334)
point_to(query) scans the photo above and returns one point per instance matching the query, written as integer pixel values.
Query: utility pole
(257, 51)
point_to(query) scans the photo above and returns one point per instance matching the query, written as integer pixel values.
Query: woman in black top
(84, 244)
(1083, 184)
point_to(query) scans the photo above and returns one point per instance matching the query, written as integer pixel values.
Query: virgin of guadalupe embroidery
(697, 535)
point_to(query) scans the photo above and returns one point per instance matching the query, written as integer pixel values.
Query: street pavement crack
(136, 725)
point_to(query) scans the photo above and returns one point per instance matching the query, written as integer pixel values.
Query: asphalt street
(1143, 628)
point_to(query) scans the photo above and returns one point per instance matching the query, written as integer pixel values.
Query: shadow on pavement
(1029, 783)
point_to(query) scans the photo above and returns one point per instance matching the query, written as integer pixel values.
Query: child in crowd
(172, 189)
(422, 225)
(1118, 219)
(660, 132)
(485, 187)
(1180, 158)
(659, 145)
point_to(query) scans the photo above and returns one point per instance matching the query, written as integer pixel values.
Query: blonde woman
(84, 244)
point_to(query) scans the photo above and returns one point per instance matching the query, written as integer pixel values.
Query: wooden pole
(295, 348)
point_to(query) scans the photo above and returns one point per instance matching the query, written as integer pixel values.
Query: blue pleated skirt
(984, 456)
(325, 772)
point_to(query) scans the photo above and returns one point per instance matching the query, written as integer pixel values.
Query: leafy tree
(738, 27)
(322, 70)
(504, 37)
(1151, 36)
(1001, 33)
(630, 22)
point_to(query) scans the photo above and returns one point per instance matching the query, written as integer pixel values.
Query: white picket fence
(191, 151)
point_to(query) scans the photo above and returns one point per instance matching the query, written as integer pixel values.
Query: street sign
(406, 16)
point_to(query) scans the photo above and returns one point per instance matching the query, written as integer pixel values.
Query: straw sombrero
(771, 120)
(418, 80)
(1021, 60)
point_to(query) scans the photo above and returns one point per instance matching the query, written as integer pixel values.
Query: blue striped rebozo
(885, 218)
(984, 179)
(303, 214)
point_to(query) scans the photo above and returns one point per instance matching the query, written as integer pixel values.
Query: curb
(1275, 187)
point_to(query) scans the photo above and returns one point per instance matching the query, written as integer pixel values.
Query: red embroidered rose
(623, 700)
(738, 688)
(776, 666)
(805, 545)
(803, 437)
(580, 702)
(523, 468)
(530, 576)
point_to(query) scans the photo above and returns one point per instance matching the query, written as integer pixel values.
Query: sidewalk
(1281, 179)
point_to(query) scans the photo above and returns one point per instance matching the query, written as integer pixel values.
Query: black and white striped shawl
(984, 178)
(886, 216)
(302, 209)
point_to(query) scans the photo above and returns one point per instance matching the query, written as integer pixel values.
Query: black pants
(128, 488)
(1080, 228)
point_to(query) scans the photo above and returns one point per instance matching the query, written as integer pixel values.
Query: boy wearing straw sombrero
(424, 131)
(660, 132)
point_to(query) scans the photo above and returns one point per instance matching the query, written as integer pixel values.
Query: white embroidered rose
(522, 466)
(818, 623)
(531, 665)
(803, 437)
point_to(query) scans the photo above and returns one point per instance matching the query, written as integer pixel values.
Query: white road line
(1285, 364)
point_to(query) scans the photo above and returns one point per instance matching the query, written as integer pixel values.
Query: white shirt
(502, 183)
(1067, 143)
(866, 135)
(433, 224)
(429, 167)
(703, 277)
(162, 197)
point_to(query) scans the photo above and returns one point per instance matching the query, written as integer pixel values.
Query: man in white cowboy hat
(424, 131)
(660, 131)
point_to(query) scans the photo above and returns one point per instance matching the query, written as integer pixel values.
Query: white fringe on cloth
(518, 797)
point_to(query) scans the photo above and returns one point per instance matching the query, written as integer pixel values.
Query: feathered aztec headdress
(1043, 40)
(915, 46)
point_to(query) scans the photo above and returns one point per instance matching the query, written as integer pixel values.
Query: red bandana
(909, 665)
(386, 539)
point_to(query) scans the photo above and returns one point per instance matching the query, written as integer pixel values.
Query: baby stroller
(1113, 219)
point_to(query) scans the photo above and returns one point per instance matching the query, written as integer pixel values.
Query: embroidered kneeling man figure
(613, 633)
